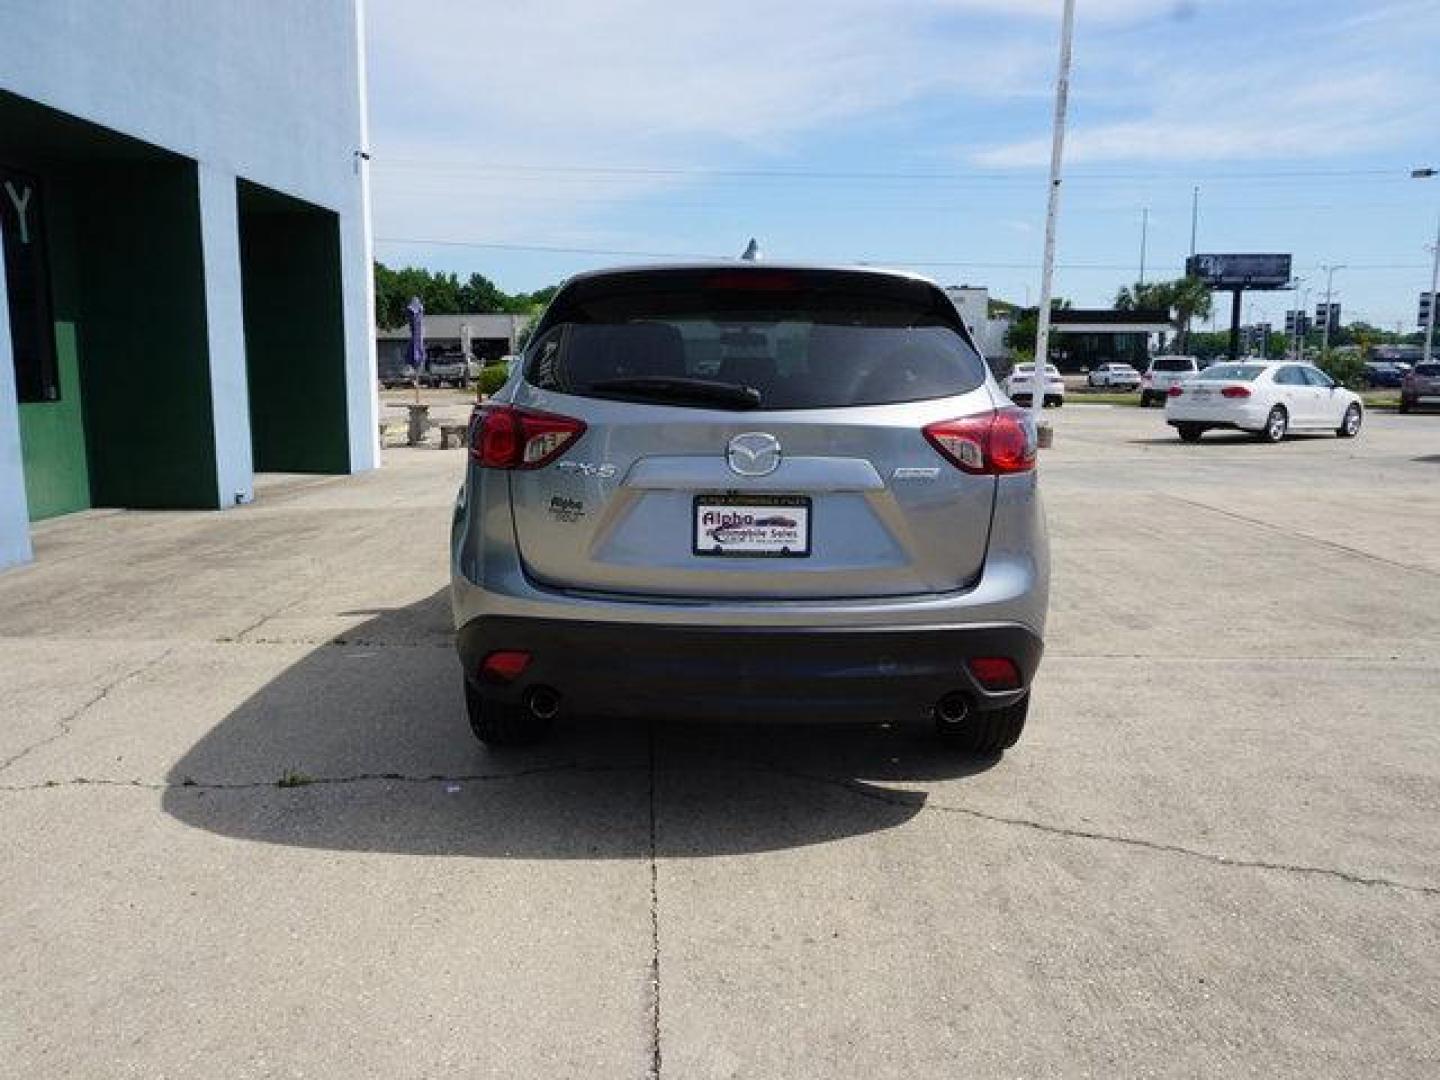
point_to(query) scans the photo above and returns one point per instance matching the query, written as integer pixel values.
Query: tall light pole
(1052, 213)
(1425, 174)
(1144, 236)
(1329, 282)
(1295, 283)
(1194, 216)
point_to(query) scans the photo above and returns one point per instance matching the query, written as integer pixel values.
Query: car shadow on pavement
(363, 745)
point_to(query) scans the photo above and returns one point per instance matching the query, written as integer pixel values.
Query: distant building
(185, 291)
(973, 304)
(1082, 338)
(486, 336)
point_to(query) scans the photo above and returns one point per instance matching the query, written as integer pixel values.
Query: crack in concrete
(1295, 534)
(919, 799)
(653, 1073)
(301, 780)
(904, 799)
(63, 726)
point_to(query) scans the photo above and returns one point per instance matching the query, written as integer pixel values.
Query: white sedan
(1121, 375)
(1017, 384)
(1267, 400)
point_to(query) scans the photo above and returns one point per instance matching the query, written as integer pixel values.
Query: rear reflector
(995, 672)
(993, 443)
(505, 666)
(1175, 391)
(504, 437)
(1235, 392)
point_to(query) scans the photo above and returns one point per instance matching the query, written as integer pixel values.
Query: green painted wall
(52, 439)
(146, 369)
(294, 334)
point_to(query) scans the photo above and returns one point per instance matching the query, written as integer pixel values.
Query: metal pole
(1434, 299)
(1235, 295)
(1194, 216)
(1325, 333)
(1052, 213)
(1144, 235)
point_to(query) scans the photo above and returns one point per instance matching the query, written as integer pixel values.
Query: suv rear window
(1172, 364)
(1428, 370)
(796, 339)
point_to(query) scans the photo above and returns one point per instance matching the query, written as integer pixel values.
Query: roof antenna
(752, 251)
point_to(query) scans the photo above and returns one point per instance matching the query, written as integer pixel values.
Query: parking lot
(247, 832)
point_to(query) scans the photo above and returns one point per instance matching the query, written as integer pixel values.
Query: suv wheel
(500, 725)
(988, 732)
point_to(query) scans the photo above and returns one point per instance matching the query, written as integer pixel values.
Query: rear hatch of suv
(760, 433)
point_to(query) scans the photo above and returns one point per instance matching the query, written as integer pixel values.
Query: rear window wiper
(681, 390)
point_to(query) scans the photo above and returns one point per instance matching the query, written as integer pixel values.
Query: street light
(1426, 174)
(1329, 281)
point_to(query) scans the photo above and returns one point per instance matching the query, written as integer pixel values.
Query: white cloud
(1337, 92)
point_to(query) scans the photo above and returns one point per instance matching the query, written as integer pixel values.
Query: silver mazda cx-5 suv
(750, 492)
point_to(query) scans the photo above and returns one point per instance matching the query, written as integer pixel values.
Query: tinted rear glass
(1427, 369)
(801, 339)
(1232, 372)
(1172, 364)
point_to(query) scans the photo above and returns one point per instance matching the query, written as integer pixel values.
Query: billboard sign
(1240, 271)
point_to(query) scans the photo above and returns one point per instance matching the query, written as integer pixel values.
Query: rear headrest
(646, 349)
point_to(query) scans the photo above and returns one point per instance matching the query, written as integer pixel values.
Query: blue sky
(532, 141)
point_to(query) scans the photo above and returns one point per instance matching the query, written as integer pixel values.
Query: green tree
(1024, 329)
(1184, 299)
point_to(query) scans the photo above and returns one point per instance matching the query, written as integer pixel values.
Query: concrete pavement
(247, 833)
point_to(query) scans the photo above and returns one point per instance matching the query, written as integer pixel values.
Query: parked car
(1378, 374)
(1268, 400)
(1421, 386)
(394, 372)
(1163, 373)
(1018, 388)
(452, 368)
(1115, 375)
(752, 492)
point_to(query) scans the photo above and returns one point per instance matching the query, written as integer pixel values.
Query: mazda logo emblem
(755, 453)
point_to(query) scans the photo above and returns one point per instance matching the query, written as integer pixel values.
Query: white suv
(1163, 373)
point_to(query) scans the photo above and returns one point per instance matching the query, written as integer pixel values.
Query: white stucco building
(186, 297)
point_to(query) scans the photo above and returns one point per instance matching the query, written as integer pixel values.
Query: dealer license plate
(758, 526)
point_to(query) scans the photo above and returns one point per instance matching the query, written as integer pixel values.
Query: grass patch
(1104, 397)
(292, 778)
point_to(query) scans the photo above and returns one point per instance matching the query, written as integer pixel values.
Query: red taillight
(504, 437)
(1175, 391)
(504, 666)
(991, 443)
(1235, 392)
(995, 672)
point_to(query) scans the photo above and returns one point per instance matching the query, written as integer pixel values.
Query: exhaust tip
(952, 709)
(543, 703)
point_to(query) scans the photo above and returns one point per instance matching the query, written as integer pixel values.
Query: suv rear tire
(500, 725)
(1190, 432)
(989, 732)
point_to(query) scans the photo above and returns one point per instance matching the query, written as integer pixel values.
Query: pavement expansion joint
(65, 724)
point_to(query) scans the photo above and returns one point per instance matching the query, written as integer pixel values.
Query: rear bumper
(791, 673)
